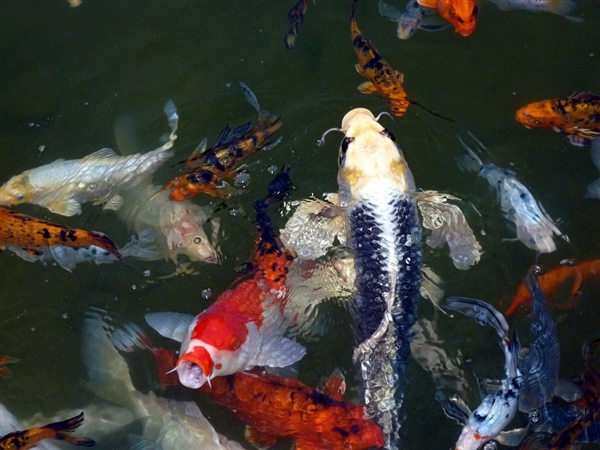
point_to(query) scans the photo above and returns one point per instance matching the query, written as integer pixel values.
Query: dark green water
(67, 74)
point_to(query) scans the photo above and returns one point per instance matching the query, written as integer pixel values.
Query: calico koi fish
(63, 186)
(296, 16)
(499, 406)
(534, 227)
(35, 239)
(383, 79)
(551, 281)
(462, 14)
(4, 372)
(243, 328)
(577, 116)
(210, 167)
(412, 18)
(376, 193)
(23, 440)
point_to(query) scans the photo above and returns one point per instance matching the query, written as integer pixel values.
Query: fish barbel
(64, 185)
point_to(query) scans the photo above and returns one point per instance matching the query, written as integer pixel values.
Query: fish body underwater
(296, 17)
(560, 7)
(64, 185)
(376, 191)
(35, 239)
(461, 14)
(244, 327)
(383, 79)
(411, 19)
(577, 115)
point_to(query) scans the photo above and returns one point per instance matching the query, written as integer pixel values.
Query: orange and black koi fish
(577, 115)
(383, 79)
(296, 16)
(211, 167)
(4, 372)
(35, 239)
(23, 440)
(551, 282)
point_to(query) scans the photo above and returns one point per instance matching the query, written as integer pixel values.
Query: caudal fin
(63, 428)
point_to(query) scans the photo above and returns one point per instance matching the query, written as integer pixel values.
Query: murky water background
(67, 74)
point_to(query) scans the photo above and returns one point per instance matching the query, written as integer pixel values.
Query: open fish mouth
(191, 374)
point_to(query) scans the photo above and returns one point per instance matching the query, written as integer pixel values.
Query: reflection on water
(69, 73)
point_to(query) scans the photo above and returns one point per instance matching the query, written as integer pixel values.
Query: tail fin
(484, 313)
(250, 96)
(67, 426)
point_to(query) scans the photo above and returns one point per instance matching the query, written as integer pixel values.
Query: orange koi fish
(4, 372)
(35, 239)
(212, 166)
(23, 440)
(243, 328)
(383, 79)
(551, 282)
(577, 115)
(462, 14)
(296, 16)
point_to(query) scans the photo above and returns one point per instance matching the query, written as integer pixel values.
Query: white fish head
(191, 374)
(15, 191)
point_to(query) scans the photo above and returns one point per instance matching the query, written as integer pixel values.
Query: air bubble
(206, 293)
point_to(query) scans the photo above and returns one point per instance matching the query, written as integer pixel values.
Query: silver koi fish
(499, 406)
(63, 186)
(376, 191)
(534, 227)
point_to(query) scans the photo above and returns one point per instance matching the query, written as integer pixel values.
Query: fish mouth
(191, 374)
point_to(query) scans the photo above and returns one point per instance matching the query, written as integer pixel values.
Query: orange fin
(367, 88)
(428, 3)
(259, 439)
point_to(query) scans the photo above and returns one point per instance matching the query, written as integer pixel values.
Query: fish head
(407, 27)
(538, 115)
(195, 367)
(462, 14)
(369, 156)
(16, 191)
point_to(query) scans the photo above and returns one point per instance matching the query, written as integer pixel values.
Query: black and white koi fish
(376, 191)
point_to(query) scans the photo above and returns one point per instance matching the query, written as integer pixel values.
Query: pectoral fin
(114, 203)
(278, 351)
(67, 208)
(512, 438)
(428, 3)
(170, 325)
(367, 88)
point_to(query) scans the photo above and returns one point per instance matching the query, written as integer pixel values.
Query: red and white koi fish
(243, 328)
(63, 186)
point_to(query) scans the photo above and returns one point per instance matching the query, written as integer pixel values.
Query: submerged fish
(577, 115)
(500, 404)
(63, 186)
(244, 327)
(167, 229)
(560, 7)
(211, 167)
(412, 18)
(593, 189)
(551, 282)
(534, 227)
(4, 372)
(376, 191)
(461, 14)
(26, 439)
(37, 240)
(296, 16)
(383, 79)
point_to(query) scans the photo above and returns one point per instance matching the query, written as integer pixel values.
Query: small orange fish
(296, 16)
(577, 115)
(462, 14)
(383, 79)
(4, 372)
(34, 239)
(212, 166)
(551, 281)
(23, 440)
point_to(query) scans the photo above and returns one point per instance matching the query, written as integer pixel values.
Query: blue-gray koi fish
(376, 192)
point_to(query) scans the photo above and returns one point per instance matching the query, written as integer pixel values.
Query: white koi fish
(534, 227)
(500, 403)
(414, 17)
(560, 7)
(63, 186)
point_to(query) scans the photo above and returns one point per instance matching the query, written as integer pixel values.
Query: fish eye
(20, 197)
(197, 240)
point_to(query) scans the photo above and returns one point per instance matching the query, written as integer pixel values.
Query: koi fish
(383, 79)
(167, 229)
(461, 14)
(577, 116)
(37, 240)
(167, 424)
(551, 281)
(212, 166)
(243, 328)
(534, 227)
(413, 18)
(593, 189)
(376, 191)
(23, 440)
(560, 7)
(63, 186)
(500, 404)
(4, 372)
(296, 16)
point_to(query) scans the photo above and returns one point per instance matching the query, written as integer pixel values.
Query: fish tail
(61, 430)
(250, 96)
